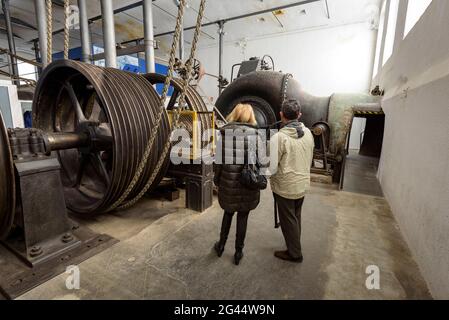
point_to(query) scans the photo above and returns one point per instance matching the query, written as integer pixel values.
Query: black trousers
(290, 219)
(242, 222)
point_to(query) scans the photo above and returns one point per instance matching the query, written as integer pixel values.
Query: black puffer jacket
(232, 196)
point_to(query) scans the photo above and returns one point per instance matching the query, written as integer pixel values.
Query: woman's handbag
(251, 178)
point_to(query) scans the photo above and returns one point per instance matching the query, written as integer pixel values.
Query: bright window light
(26, 70)
(391, 30)
(380, 34)
(415, 10)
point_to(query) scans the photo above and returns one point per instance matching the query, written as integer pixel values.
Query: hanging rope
(177, 112)
(66, 28)
(191, 61)
(153, 134)
(49, 31)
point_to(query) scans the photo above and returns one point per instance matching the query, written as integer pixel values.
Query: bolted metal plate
(7, 183)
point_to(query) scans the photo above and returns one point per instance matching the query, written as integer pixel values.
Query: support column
(10, 35)
(149, 36)
(84, 32)
(221, 34)
(41, 18)
(109, 33)
(37, 56)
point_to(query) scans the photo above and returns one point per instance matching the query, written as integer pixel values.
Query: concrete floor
(165, 252)
(361, 175)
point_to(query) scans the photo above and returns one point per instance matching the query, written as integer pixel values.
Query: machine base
(17, 278)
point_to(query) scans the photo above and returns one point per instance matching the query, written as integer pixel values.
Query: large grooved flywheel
(72, 95)
(7, 183)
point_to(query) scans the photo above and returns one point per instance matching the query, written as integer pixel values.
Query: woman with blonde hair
(232, 195)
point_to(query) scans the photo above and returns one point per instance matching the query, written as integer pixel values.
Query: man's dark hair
(291, 109)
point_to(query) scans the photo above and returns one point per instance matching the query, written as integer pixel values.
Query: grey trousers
(290, 219)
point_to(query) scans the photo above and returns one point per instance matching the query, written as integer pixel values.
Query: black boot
(219, 248)
(238, 255)
(225, 226)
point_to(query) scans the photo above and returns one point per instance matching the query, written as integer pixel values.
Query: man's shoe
(237, 257)
(284, 255)
(219, 248)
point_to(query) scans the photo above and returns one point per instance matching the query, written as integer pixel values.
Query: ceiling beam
(96, 18)
(243, 16)
(251, 14)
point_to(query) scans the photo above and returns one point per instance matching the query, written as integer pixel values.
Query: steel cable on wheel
(125, 106)
(121, 203)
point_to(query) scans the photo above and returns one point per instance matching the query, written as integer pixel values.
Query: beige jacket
(295, 155)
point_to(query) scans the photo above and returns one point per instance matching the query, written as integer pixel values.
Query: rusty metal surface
(7, 183)
(340, 118)
(123, 105)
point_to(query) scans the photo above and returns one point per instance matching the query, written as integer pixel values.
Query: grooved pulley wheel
(122, 107)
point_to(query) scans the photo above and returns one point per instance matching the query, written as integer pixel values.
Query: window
(415, 10)
(391, 30)
(26, 70)
(380, 34)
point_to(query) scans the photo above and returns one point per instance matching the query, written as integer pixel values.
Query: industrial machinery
(329, 118)
(197, 120)
(253, 64)
(100, 140)
(82, 156)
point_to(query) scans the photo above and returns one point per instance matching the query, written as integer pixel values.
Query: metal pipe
(84, 32)
(11, 43)
(99, 17)
(220, 52)
(243, 16)
(327, 9)
(148, 36)
(37, 56)
(66, 140)
(109, 33)
(41, 18)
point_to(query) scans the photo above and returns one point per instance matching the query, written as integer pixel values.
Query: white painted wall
(414, 168)
(10, 106)
(324, 60)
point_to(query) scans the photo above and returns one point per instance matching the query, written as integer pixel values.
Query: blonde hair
(243, 113)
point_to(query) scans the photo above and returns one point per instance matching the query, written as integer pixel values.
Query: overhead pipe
(149, 36)
(11, 43)
(41, 18)
(86, 47)
(109, 33)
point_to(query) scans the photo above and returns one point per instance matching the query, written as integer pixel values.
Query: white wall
(414, 168)
(326, 60)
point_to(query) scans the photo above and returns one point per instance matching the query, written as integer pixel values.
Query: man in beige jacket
(295, 145)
